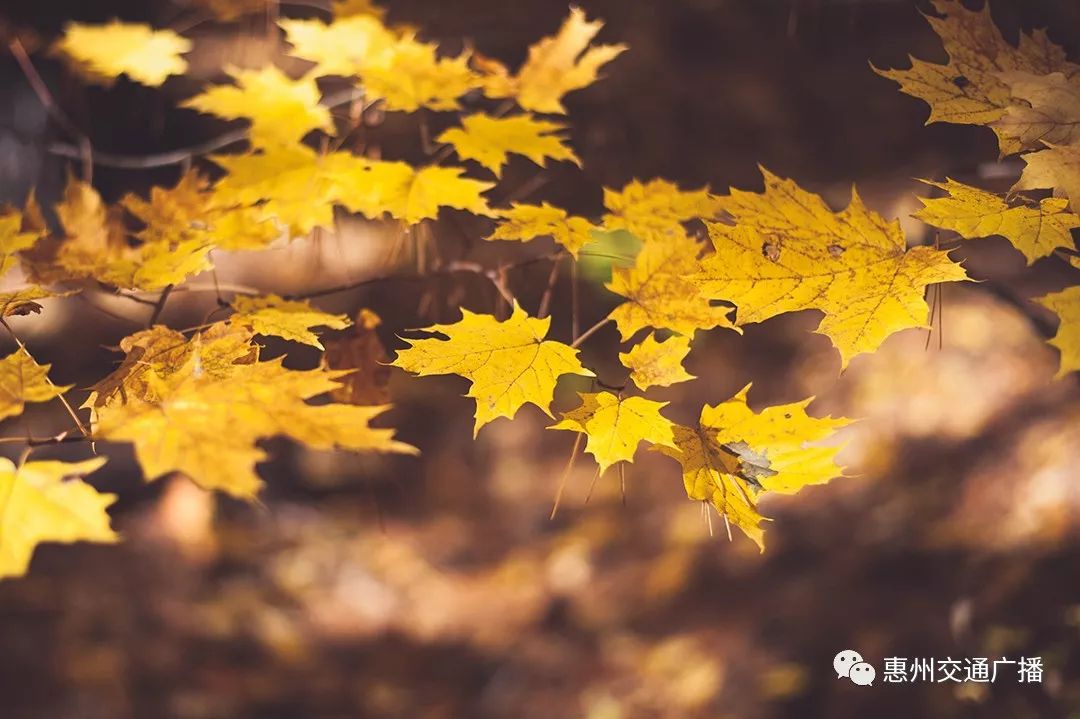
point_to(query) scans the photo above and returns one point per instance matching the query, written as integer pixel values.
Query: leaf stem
(566, 475)
(589, 332)
(70, 410)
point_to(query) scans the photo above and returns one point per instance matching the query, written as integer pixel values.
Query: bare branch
(186, 154)
(84, 150)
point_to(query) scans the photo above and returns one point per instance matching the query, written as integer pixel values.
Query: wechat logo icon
(849, 664)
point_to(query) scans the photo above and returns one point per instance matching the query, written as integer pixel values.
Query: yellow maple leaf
(204, 417)
(186, 211)
(292, 186)
(414, 76)
(104, 52)
(556, 65)
(1035, 230)
(615, 426)
(48, 502)
(95, 244)
(14, 238)
(347, 46)
(24, 301)
(789, 252)
(656, 209)
(1066, 305)
(1049, 113)
(659, 291)
(490, 140)
(163, 352)
(374, 187)
(23, 380)
(527, 222)
(509, 363)
(658, 364)
(734, 454)
(155, 266)
(281, 110)
(969, 89)
(785, 435)
(288, 319)
(298, 187)
(1055, 167)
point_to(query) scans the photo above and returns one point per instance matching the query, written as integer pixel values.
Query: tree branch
(182, 155)
(84, 150)
(159, 306)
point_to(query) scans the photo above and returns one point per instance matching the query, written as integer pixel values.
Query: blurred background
(437, 586)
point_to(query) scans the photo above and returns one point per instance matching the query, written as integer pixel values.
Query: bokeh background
(437, 586)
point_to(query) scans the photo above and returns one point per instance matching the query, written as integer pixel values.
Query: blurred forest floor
(438, 587)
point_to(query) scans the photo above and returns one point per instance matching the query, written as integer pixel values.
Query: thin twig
(566, 474)
(545, 301)
(62, 438)
(448, 269)
(575, 301)
(159, 306)
(589, 332)
(592, 485)
(163, 159)
(84, 149)
(63, 401)
(177, 157)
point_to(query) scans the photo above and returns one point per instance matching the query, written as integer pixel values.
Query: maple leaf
(23, 380)
(659, 291)
(24, 301)
(1066, 305)
(95, 244)
(789, 252)
(186, 212)
(414, 76)
(527, 222)
(48, 502)
(102, 53)
(361, 352)
(374, 187)
(734, 454)
(14, 238)
(281, 110)
(291, 184)
(509, 363)
(489, 140)
(969, 89)
(555, 66)
(711, 473)
(656, 209)
(290, 320)
(204, 417)
(615, 425)
(658, 364)
(346, 46)
(1051, 110)
(162, 352)
(1034, 230)
(1055, 167)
